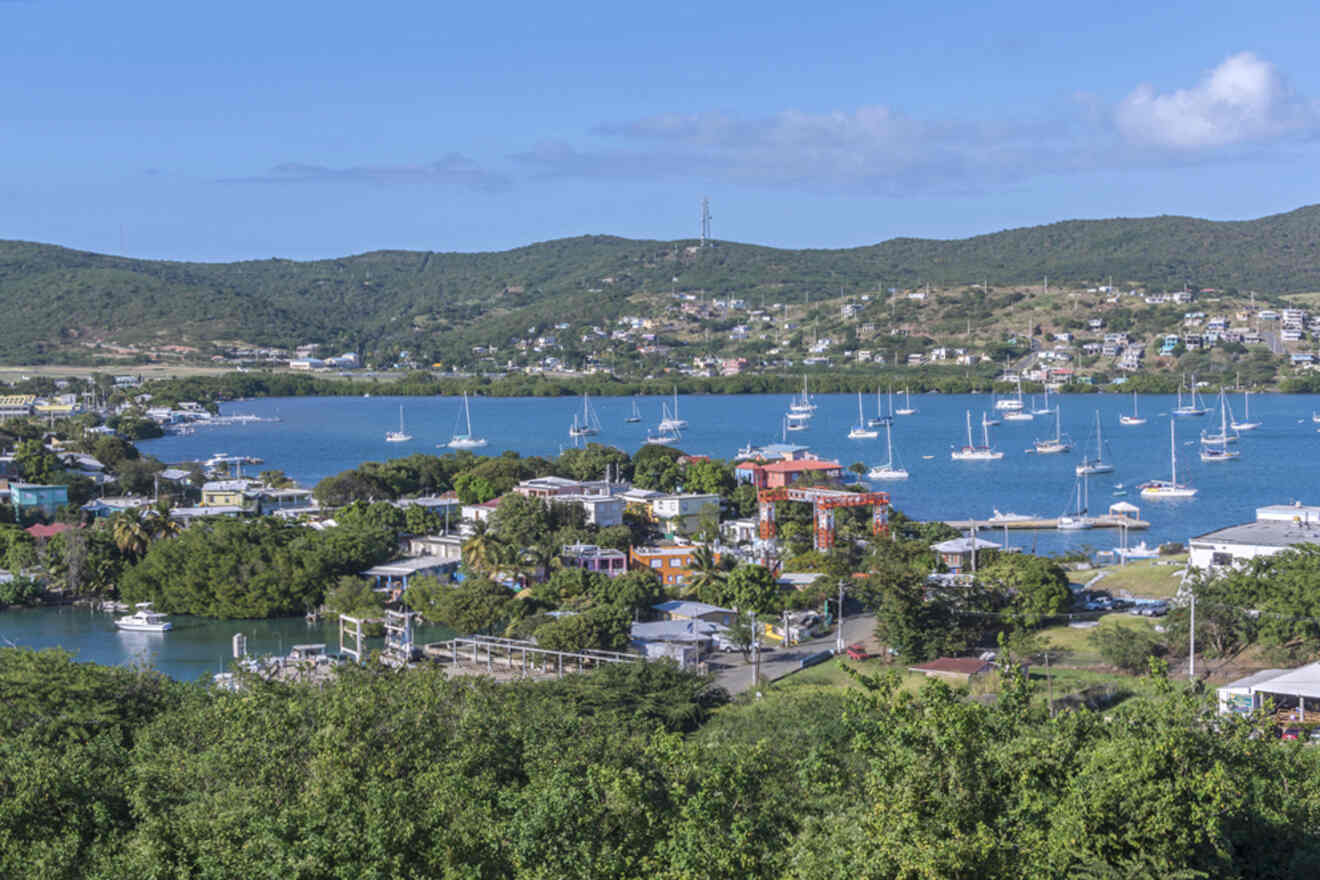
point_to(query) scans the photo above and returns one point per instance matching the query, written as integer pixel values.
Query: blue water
(194, 648)
(317, 437)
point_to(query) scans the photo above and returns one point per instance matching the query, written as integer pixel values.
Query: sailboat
(1018, 413)
(636, 416)
(1098, 465)
(1079, 519)
(1044, 410)
(797, 421)
(907, 409)
(1246, 424)
(1133, 419)
(672, 423)
(589, 426)
(802, 405)
(888, 470)
(1169, 488)
(972, 452)
(1192, 408)
(464, 439)
(399, 436)
(880, 417)
(860, 431)
(1011, 403)
(665, 432)
(1215, 446)
(1058, 444)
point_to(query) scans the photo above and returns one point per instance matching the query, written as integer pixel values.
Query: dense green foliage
(629, 772)
(432, 304)
(250, 568)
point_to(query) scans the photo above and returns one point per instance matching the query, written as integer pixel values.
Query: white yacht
(1133, 419)
(860, 431)
(888, 470)
(1169, 488)
(399, 436)
(972, 452)
(907, 409)
(1096, 465)
(464, 439)
(1060, 443)
(144, 620)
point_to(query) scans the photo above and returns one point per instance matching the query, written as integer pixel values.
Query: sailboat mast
(1173, 457)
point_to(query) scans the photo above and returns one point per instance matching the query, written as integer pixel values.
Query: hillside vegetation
(56, 298)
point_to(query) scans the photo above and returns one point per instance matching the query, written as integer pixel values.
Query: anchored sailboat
(972, 452)
(399, 436)
(860, 431)
(636, 416)
(1169, 488)
(589, 426)
(907, 409)
(1246, 424)
(888, 470)
(1133, 419)
(464, 439)
(1215, 447)
(1060, 443)
(1098, 465)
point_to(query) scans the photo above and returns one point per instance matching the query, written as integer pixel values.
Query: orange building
(673, 564)
(778, 474)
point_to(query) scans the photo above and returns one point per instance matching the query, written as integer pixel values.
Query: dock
(1103, 521)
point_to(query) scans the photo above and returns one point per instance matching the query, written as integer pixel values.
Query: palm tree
(483, 551)
(131, 536)
(707, 574)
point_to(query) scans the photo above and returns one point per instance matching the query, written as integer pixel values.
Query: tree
(708, 575)
(521, 521)
(38, 464)
(635, 591)
(1036, 586)
(477, 605)
(473, 489)
(482, 551)
(601, 627)
(709, 477)
(130, 534)
(749, 588)
(1126, 647)
(353, 597)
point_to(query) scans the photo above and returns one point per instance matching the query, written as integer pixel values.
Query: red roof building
(42, 532)
(778, 474)
(959, 669)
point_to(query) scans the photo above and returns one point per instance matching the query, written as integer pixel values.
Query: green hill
(56, 300)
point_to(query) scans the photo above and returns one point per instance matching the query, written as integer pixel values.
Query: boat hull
(136, 626)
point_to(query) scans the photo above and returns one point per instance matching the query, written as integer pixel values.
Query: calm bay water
(317, 437)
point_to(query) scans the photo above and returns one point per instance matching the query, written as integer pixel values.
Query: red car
(856, 651)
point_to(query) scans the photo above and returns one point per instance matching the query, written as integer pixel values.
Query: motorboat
(1141, 551)
(144, 620)
(399, 436)
(464, 439)
(1170, 488)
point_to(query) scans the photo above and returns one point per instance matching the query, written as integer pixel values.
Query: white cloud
(1243, 100)
(452, 169)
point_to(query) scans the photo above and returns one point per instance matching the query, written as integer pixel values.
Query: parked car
(856, 651)
(1290, 733)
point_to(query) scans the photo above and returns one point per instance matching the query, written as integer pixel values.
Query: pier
(1103, 521)
(515, 658)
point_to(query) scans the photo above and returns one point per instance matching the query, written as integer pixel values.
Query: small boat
(927, 457)
(1315, 416)
(1215, 447)
(144, 620)
(1017, 415)
(1189, 409)
(1044, 409)
(1000, 517)
(1011, 403)
(801, 404)
(1078, 519)
(1133, 419)
(1246, 424)
(972, 452)
(1141, 551)
(671, 422)
(907, 409)
(1097, 465)
(860, 431)
(888, 470)
(636, 416)
(464, 439)
(1170, 488)
(1060, 443)
(589, 426)
(880, 417)
(399, 436)
(797, 421)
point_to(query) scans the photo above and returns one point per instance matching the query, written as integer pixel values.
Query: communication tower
(705, 222)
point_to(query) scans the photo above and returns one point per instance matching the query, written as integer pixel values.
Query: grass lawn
(1075, 642)
(828, 674)
(1143, 579)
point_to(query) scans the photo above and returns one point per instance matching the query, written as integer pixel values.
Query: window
(673, 563)
(657, 563)
(1221, 559)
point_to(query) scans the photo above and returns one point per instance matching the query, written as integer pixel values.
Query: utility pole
(1191, 650)
(756, 653)
(838, 641)
(1049, 682)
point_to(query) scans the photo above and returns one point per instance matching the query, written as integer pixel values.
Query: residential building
(678, 609)
(605, 560)
(1287, 691)
(681, 514)
(16, 405)
(393, 578)
(962, 670)
(786, 472)
(672, 563)
(227, 493)
(958, 554)
(103, 507)
(29, 498)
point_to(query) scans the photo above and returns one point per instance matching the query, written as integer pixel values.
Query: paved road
(735, 676)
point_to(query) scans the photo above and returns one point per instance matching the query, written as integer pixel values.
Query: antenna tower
(705, 221)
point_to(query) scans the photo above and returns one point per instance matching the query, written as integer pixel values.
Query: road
(735, 676)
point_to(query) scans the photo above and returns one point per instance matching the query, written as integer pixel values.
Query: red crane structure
(824, 502)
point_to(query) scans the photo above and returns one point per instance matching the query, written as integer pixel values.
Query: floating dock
(1103, 521)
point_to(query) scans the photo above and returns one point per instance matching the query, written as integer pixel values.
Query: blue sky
(246, 130)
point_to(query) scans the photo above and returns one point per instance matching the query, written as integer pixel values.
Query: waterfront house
(30, 498)
(393, 578)
(227, 493)
(442, 546)
(187, 515)
(269, 501)
(786, 472)
(103, 507)
(605, 560)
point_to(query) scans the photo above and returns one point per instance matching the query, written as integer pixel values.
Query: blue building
(29, 498)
